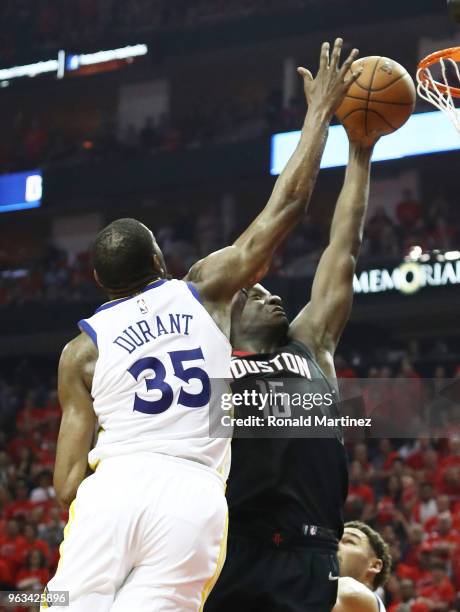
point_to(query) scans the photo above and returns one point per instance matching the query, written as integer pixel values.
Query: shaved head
(125, 255)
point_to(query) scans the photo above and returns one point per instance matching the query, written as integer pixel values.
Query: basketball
(380, 101)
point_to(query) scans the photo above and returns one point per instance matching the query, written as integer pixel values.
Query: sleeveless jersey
(380, 604)
(159, 352)
(286, 484)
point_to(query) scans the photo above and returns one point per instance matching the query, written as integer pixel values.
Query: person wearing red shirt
(34, 575)
(445, 538)
(442, 505)
(33, 543)
(416, 535)
(408, 600)
(21, 503)
(359, 494)
(415, 459)
(13, 547)
(387, 505)
(408, 210)
(441, 590)
(453, 456)
(420, 573)
(6, 579)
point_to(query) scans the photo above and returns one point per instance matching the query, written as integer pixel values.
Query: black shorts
(259, 577)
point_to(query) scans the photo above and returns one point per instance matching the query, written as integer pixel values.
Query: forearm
(348, 221)
(295, 184)
(67, 479)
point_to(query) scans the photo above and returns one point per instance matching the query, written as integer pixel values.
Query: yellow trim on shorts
(66, 531)
(220, 563)
(45, 605)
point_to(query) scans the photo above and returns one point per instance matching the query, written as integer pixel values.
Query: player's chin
(279, 319)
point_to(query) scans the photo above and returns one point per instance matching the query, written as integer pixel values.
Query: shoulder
(78, 353)
(355, 596)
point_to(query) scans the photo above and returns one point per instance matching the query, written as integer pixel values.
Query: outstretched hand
(327, 91)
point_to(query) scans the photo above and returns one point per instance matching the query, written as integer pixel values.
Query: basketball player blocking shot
(286, 494)
(147, 530)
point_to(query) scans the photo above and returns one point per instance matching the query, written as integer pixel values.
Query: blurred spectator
(408, 210)
(34, 575)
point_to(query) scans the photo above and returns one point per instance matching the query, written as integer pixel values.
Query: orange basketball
(380, 101)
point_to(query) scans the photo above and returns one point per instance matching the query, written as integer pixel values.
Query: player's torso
(159, 355)
(286, 482)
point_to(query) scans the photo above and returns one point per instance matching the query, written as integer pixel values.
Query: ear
(158, 266)
(375, 567)
(96, 278)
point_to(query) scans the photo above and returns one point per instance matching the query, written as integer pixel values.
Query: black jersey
(287, 483)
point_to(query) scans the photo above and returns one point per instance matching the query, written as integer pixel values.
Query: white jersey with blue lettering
(159, 352)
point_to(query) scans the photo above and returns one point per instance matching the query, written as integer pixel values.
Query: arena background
(176, 131)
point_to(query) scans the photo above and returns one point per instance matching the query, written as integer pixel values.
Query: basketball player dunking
(286, 496)
(147, 530)
(365, 565)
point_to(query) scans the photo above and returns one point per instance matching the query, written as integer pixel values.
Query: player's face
(257, 310)
(355, 554)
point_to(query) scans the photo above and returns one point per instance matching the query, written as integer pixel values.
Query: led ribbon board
(424, 133)
(21, 190)
(74, 62)
(71, 62)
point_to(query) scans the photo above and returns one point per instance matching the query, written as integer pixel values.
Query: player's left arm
(354, 597)
(78, 418)
(320, 323)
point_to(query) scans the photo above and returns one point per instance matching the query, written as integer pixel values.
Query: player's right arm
(76, 432)
(220, 275)
(354, 597)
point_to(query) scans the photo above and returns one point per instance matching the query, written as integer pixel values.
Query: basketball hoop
(441, 94)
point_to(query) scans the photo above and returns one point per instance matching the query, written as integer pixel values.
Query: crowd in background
(409, 490)
(51, 23)
(30, 142)
(54, 276)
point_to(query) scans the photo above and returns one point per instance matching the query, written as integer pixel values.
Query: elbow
(65, 493)
(65, 497)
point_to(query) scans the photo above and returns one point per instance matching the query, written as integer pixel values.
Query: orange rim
(430, 60)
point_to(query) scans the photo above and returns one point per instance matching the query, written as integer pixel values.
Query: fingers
(306, 74)
(336, 52)
(348, 62)
(324, 58)
(354, 76)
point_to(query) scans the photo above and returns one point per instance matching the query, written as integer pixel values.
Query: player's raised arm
(78, 419)
(223, 273)
(321, 322)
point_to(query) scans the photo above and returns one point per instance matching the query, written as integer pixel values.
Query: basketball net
(441, 94)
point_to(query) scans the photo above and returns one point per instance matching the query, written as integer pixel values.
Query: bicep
(223, 273)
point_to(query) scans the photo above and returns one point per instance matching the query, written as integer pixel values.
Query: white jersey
(380, 604)
(159, 352)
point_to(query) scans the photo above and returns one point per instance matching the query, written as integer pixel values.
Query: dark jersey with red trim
(289, 481)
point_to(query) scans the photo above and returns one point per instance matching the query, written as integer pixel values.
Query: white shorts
(145, 533)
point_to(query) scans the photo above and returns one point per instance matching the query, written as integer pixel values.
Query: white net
(440, 93)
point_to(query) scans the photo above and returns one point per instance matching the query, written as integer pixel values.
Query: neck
(368, 583)
(258, 343)
(116, 294)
